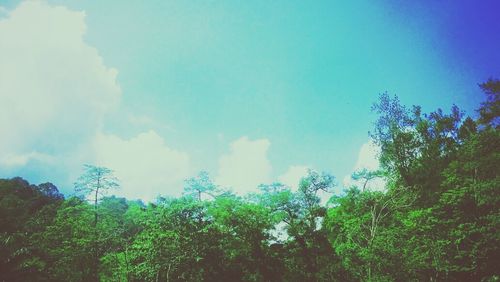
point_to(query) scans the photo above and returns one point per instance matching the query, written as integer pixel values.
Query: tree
(416, 147)
(394, 133)
(309, 254)
(69, 242)
(360, 228)
(201, 184)
(114, 238)
(366, 176)
(490, 109)
(96, 182)
(244, 228)
(25, 212)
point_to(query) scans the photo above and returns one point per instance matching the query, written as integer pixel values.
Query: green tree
(95, 183)
(490, 109)
(25, 212)
(199, 185)
(309, 256)
(69, 242)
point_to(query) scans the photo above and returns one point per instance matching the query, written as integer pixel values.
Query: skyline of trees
(437, 219)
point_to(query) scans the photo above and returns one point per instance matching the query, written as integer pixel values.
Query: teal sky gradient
(302, 74)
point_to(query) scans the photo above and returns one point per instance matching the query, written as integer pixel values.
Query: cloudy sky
(251, 91)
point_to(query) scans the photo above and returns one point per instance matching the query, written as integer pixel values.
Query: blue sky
(252, 91)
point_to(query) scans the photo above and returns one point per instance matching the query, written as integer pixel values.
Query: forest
(438, 218)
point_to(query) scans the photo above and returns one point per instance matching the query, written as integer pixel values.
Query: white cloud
(246, 166)
(293, 175)
(367, 159)
(54, 88)
(145, 165)
(368, 156)
(145, 121)
(55, 92)
(12, 160)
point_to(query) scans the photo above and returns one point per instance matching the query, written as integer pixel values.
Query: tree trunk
(96, 237)
(168, 272)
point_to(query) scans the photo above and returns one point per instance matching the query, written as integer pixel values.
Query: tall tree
(199, 185)
(95, 183)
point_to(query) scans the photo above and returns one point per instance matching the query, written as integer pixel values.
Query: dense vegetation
(437, 220)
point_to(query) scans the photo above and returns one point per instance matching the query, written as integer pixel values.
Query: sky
(251, 91)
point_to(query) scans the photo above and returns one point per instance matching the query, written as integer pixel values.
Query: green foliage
(490, 109)
(439, 218)
(25, 212)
